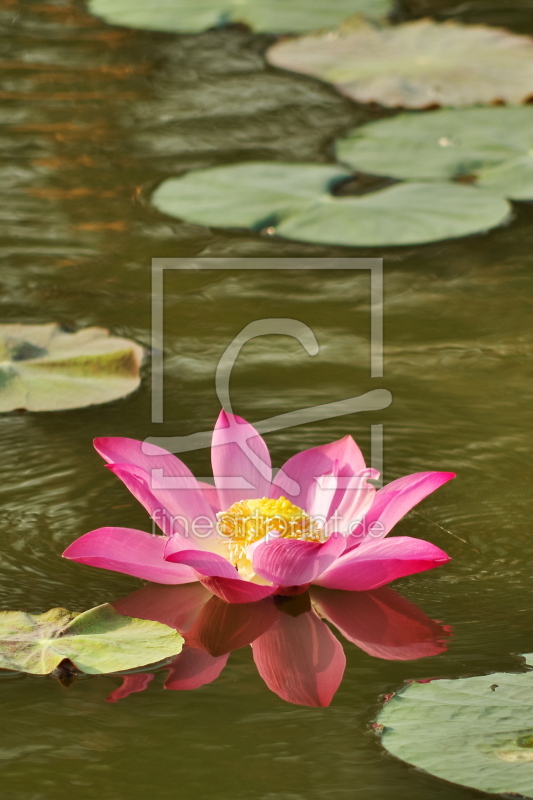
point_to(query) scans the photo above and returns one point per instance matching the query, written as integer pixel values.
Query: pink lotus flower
(318, 521)
(294, 651)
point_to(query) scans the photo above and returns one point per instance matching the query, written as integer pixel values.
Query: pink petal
(211, 495)
(237, 591)
(322, 492)
(129, 551)
(240, 461)
(170, 481)
(163, 506)
(176, 606)
(296, 480)
(222, 627)
(300, 660)
(217, 574)
(193, 668)
(137, 480)
(293, 562)
(178, 551)
(379, 561)
(120, 450)
(355, 503)
(382, 623)
(130, 684)
(394, 500)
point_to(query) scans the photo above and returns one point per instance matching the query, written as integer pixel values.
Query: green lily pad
(43, 368)
(96, 641)
(477, 732)
(268, 16)
(295, 201)
(491, 146)
(416, 65)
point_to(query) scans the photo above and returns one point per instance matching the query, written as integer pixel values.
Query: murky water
(92, 118)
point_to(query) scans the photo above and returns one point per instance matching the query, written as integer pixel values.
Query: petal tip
(227, 418)
(222, 420)
(70, 552)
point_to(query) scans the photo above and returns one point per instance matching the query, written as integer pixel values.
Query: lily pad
(477, 732)
(491, 146)
(416, 65)
(43, 368)
(96, 641)
(295, 201)
(269, 16)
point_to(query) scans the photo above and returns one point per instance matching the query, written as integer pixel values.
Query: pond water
(93, 118)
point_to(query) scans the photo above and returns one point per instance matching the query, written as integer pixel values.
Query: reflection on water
(294, 650)
(93, 118)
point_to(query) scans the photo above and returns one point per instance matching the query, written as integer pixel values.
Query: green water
(92, 119)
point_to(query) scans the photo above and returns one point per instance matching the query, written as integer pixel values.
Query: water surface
(93, 118)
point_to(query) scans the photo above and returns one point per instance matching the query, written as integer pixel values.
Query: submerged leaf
(96, 641)
(416, 65)
(295, 201)
(477, 732)
(43, 368)
(492, 147)
(270, 16)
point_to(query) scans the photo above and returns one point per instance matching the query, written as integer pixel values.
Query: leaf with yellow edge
(44, 368)
(96, 641)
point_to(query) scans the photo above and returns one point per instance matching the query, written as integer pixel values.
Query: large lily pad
(416, 65)
(295, 201)
(491, 146)
(475, 731)
(96, 641)
(271, 16)
(43, 368)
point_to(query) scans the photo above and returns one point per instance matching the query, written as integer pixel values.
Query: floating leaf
(43, 368)
(270, 16)
(295, 201)
(474, 731)
(96, 641)
(416, 65)
(491, 146)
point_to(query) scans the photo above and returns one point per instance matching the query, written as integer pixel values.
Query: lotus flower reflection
(318, 521)
(294, 650)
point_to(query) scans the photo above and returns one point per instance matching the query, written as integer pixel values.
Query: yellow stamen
(248, 521)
